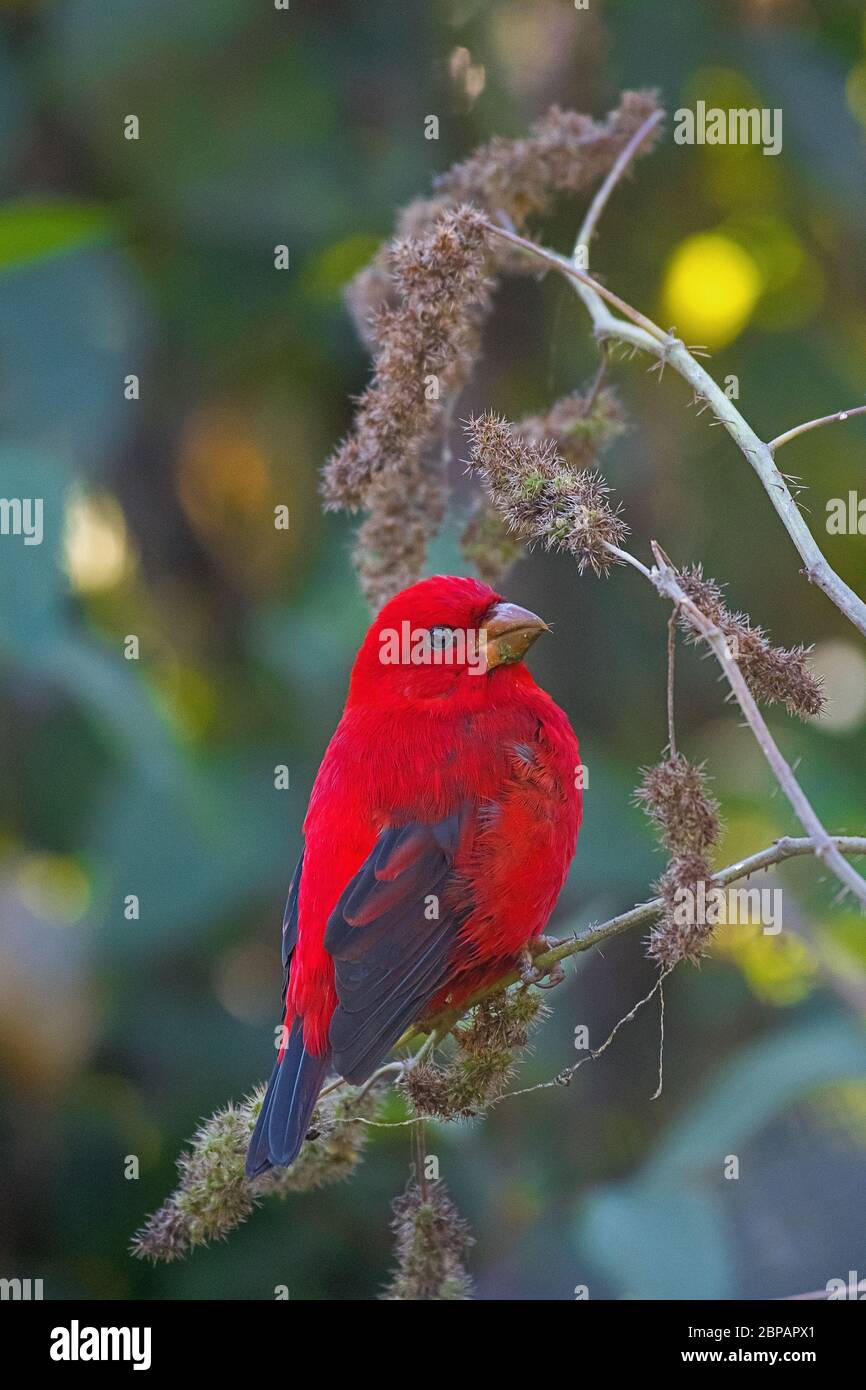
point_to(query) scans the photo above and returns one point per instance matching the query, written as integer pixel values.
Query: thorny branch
(636, 330)
(666, 581)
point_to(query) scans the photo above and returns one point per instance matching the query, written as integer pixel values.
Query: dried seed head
(373, 287)
(503, 1021)
(427, 1086)
(426, 340)
(674, 795)
(773, 674)
(165, 1234)
(564, 152)
(484, 1060)
(677, 935)
(214, 1195)
(581, 426)
(419, 306)
(391, 543)
(432, 1241)
(541, 498)
(431, 333)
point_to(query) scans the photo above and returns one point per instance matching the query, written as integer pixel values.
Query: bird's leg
(529, 971)
(432, 1041)
(386, 1070)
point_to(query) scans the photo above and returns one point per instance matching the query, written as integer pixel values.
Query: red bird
(440, 829)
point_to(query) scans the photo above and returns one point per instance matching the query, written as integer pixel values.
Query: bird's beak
(510, 632)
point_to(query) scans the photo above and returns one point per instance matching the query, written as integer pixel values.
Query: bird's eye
(441, 638)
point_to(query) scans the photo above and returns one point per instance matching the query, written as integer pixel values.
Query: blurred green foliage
(155, 777)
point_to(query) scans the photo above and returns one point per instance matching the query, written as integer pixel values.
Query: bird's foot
(530, 973)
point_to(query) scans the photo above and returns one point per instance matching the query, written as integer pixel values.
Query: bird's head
(446, 637)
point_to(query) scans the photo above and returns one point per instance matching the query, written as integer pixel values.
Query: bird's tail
(288, 1104)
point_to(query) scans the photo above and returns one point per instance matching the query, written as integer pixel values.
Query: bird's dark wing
(391, 937)
(290, 924)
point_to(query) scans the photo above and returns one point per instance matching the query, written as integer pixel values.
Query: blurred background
(154, 777)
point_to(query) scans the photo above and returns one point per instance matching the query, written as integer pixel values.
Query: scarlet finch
(439, 833)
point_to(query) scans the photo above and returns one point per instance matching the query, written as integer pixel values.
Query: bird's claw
(555, 976)
(530, 974)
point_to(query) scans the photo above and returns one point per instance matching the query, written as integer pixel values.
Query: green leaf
(33, 230)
